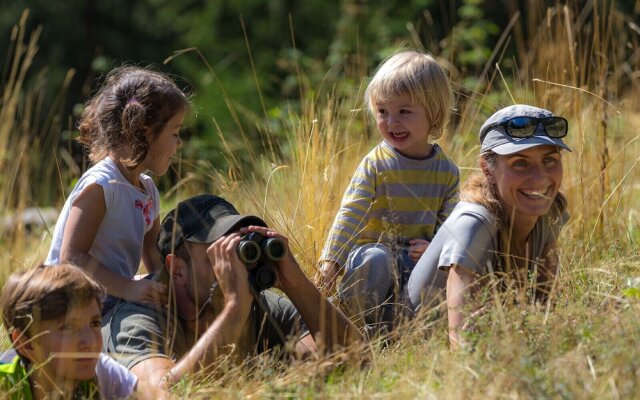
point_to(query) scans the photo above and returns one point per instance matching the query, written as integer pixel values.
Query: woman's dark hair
(128, 112)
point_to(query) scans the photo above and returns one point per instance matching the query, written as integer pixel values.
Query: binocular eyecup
(259, 253)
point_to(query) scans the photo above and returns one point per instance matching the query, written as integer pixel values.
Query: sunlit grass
(586, 346)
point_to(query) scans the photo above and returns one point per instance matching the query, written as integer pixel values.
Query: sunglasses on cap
(523, 127)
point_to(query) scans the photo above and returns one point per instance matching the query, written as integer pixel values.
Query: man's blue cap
(495, 138)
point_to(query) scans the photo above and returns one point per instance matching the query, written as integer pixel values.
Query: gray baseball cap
(494, 137)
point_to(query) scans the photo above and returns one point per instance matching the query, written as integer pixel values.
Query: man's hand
(417, 247)
(327, 276)
(230, 272)
(223, 333)
(289, 272)
(330, 328)
(328, 325)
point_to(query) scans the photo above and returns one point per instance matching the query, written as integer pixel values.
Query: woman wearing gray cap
(507, 222)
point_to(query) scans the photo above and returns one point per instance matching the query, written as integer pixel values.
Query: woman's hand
(417, 247)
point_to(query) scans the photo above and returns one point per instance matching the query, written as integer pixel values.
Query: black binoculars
(258, 254)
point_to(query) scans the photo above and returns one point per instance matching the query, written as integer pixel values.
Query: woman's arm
(548, 272)
(461, 284)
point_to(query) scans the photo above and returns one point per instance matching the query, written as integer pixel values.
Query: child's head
(53, 313)
(128, 113)
(418, 77)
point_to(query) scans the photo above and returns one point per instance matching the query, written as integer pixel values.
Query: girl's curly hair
(128, 112)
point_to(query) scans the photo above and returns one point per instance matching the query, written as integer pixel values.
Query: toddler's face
(72, 343)
(404, 125)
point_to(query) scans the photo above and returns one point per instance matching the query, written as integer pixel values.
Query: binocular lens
(248, 251)
(265, 278)
(274, 249)
(258, 253)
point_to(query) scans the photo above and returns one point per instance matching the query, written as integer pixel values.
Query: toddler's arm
(352, 217)
(450, 200)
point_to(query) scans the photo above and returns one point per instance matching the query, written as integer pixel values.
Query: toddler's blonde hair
(416, 75)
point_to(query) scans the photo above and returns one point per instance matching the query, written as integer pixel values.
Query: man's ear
(486, 171)
(23, 344)
(177, 267)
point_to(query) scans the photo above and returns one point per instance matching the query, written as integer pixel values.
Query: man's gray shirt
(134, 332)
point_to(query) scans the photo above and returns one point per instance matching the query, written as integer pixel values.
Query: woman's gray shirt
(469, 238)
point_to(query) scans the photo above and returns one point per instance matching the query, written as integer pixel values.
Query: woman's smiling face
(527, 182)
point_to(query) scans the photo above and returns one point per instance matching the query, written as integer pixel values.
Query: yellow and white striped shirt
(393, 199)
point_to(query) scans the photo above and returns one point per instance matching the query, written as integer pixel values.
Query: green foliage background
(264, 56)
(278, 127)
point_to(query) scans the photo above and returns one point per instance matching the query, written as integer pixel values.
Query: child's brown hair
(44, 293)
(128, 112)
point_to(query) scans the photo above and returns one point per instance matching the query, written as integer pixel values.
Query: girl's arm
(461, 284)
(81, 229)
(151, 257)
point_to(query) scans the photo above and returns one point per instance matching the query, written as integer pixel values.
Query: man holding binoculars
(220, 265)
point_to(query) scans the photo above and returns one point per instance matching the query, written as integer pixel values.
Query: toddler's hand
(148, 292)
(326, 277)
(417, 248)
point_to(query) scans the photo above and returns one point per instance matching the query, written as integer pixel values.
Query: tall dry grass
(578, 60)
(30, 128)
(580, 63)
